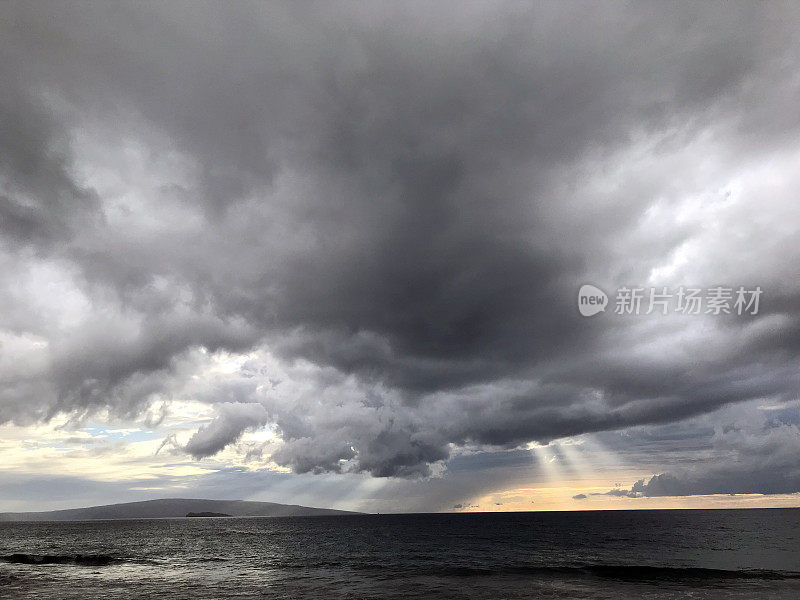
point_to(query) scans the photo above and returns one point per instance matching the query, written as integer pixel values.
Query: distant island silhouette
(175, 508)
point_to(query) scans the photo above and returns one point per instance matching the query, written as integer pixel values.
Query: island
(175, 508)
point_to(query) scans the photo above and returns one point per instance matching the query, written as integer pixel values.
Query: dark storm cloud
(409, 198)
(40, 202)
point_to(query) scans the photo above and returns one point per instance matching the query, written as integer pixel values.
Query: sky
(332, 254)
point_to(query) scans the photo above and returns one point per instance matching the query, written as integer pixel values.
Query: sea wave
(86, 560)
(656, 572)
(623, 572)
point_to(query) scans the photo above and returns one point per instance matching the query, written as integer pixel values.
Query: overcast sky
(330, 253)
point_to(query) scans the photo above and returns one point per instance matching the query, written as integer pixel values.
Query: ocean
(698, 554)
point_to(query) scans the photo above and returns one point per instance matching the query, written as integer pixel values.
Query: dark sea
(753, 554)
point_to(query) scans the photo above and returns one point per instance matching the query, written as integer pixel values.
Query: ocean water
(753, 554)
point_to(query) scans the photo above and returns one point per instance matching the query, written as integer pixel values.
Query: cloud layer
(749, 460)
(382, 219)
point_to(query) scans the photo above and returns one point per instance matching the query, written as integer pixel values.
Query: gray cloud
(748, 459)
(227, 427)
(405, 204)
